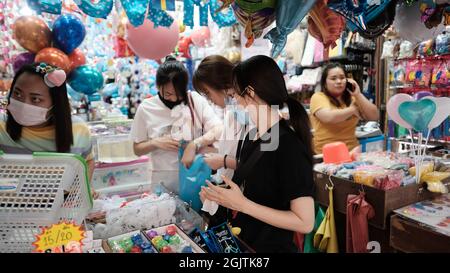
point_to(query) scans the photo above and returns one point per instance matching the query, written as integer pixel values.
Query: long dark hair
(264, 75)
(61, 116)
(173, 71)
(214, 71)
(346, 97)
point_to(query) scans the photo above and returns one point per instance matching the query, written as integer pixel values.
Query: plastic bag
(406, 50)
(388, 50)
(192, 179)
(426, 48)
(443, 43)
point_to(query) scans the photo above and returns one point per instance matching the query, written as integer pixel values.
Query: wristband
(225, 161)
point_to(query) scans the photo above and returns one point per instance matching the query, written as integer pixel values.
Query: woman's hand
(166, 143)
(356, 90)
(188, 155)
(214, 161)
(231, 198)
(355, 110)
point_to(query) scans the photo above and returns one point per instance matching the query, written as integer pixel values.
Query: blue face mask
(240, 115)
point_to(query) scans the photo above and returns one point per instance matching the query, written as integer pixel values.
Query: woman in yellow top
(336, 110)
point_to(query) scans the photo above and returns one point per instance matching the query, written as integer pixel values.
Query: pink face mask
(27, 114)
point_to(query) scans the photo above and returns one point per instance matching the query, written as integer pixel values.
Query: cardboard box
(106, 246)
(383, 202)
(161, 230)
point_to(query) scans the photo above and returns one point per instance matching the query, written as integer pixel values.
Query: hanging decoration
(160, 18)
(289, 13)
(163, 4)
(254, 23)
(49, 6)
(99, 10)
(222, 19)
(68, 32)
(189, 6)
(135, 10)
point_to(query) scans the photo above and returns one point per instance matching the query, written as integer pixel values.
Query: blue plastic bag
(192, 179)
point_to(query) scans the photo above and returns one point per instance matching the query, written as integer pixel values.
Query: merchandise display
(139, 167)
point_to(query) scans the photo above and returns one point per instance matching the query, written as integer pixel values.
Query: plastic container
(336, 153)
(372, 144)
(116, 178)
(40, 190)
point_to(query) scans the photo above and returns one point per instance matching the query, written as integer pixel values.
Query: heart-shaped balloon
(392, 109)
(442, 110)
(418, 113)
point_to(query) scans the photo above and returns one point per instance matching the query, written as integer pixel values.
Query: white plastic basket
(37, 191)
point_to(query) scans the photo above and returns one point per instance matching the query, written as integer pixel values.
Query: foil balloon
(99, 10)
(121, 48)
(77, 59)
(442, 110)
(222, 19)
(183, 46)
(418, 114)
(54, 57)
(409, 27)
(252, 6)
(49, 6)
(188, 12)
(419, 95)
(135, 10)
(68, 32)
(325, 25)
(160, 18)
(254, 23)
(393, 106)
(86, 80)
(32, 33)
(201, 37)
(22, 59)
(152, 43)
(74, 95)
(289, 14)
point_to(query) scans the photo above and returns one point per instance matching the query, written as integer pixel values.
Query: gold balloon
(32, 33)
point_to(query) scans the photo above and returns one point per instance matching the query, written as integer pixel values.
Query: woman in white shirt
(213, 78)
(173, 117)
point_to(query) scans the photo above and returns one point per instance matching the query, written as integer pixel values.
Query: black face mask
(168, 103)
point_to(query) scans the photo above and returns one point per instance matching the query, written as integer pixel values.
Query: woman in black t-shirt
(272, 188)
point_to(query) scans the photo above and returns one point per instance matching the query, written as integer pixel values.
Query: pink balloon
(152, 43)
(201, 36)
(392, 109)
(442, 111)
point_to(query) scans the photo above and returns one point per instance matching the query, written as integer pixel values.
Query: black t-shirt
(278, 177)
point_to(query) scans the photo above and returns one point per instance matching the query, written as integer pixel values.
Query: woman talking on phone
(336, 110)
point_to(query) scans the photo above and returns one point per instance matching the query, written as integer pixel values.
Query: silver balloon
(408, 25)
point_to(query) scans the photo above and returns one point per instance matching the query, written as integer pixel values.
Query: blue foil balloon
(418, 114)
(222, 19)
(110, 89)
(135, 10)
(86, 80)
(68, 32)
(49, 6)
(289, 14)
(99, 10)
(95, 97)
(160, 18)
(74, 94)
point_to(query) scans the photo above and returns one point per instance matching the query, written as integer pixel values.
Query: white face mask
(27, 114)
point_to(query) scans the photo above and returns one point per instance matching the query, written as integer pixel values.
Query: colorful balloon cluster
(58, 47)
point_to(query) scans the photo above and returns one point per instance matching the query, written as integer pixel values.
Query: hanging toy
(254, 23)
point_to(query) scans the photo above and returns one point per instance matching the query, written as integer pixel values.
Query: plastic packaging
(443, 43)
(406, 50)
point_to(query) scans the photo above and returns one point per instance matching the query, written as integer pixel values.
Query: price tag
(62, 237)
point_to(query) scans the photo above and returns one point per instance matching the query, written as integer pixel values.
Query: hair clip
(53, 77)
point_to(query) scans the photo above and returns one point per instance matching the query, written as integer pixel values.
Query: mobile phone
(349, 86)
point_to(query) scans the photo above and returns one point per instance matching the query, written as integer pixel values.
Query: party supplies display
(133, 242)
(171, 239)
(443, 43)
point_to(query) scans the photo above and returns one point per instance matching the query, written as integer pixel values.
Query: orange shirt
(325, 133)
